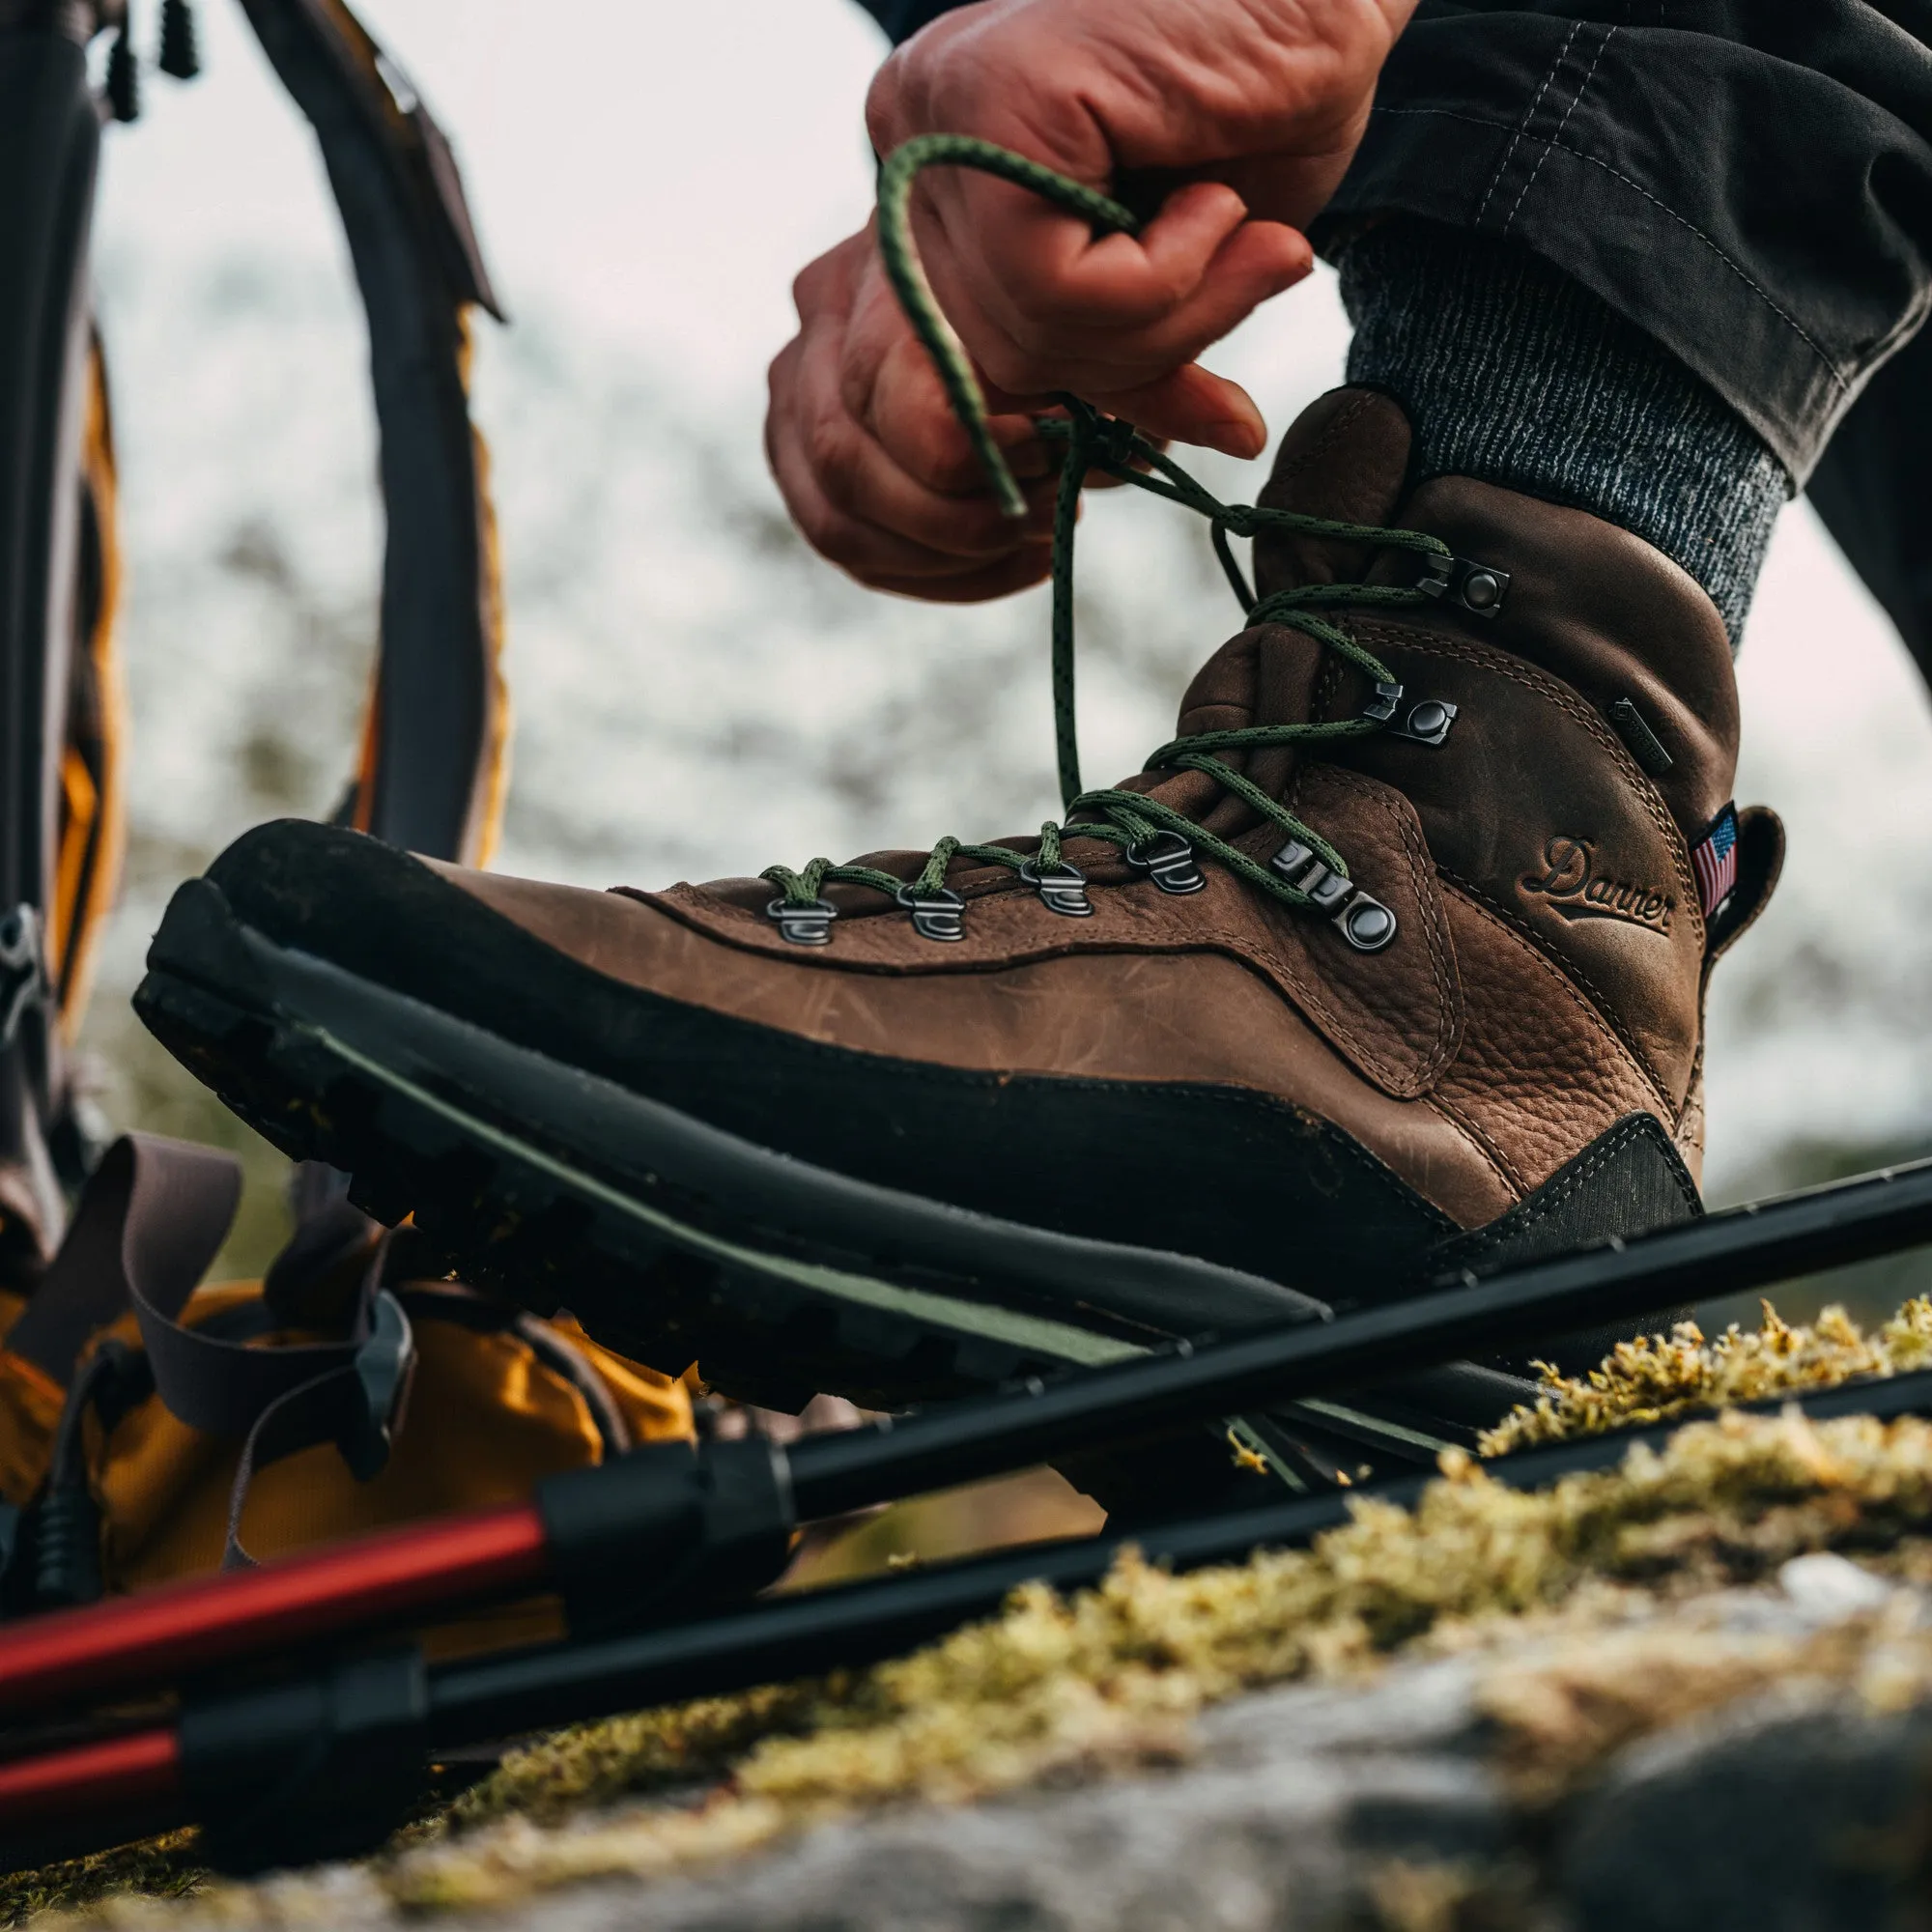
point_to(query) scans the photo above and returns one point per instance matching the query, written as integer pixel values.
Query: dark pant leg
(1749, 180)
(1873, 487)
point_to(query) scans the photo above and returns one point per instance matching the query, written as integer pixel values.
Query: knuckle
(832, 454)
(937, 450)
(1018, 367)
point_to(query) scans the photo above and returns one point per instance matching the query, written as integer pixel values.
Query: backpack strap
(47, 193)
(434, 742)
(151, 1219)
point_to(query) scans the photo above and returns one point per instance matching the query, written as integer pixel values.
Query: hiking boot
(1391, 966)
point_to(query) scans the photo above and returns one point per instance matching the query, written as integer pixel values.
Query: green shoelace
(1152, 837)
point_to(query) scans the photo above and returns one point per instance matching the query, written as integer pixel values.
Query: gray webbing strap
(149, 1220)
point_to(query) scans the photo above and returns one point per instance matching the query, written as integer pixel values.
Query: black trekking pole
(667, 1527)
(327, 1765)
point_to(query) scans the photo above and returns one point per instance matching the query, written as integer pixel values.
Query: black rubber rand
(794, 1217)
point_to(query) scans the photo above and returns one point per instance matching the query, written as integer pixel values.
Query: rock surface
(1804, 1803)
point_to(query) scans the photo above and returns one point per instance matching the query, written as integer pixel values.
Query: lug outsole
(515, 1219)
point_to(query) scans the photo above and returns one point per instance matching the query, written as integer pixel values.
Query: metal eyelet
(1063, 890)
(1476, 587)
(1365, 923)
(1360, 918)
(804, 924)
(939, 913)
(1168, 859)
(1428, 722)
(1380, 708)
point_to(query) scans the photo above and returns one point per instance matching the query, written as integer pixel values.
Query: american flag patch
(1715, 861)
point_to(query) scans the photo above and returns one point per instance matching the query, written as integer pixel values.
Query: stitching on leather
(1553, 690)
(1344, 421)
(1481, 1240)
(1517, 207)
(1249, 1099)
(1584, 1007)
(1248, 946)
(1515, 139)
(1505, 1169)
(1422, 867)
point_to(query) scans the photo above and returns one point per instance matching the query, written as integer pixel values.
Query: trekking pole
(668, 1525)
(328, 1765)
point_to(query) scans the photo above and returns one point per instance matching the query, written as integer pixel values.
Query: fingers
(874, 470)
(1192, 405)
(1044, 306)
(904, 403)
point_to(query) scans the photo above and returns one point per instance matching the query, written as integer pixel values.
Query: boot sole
(669, 1239)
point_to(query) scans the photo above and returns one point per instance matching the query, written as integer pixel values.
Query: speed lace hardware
(1168, 860)
(1062, 890)
(938, 913)
(804, 922)
(1362, 919)
(1151, 836)
(1476, 587)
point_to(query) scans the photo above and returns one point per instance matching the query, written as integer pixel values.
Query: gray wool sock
(1516, 375)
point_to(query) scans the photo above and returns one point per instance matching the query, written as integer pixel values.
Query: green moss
(1658, 1378)
(159, 1868)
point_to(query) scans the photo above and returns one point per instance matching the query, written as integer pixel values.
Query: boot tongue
(1344, 459)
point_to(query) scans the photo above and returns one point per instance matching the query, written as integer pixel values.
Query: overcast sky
(655, 171)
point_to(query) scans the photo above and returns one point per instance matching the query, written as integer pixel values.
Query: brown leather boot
(911, 1125)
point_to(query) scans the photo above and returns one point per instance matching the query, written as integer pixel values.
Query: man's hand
(872, 461)
(1248, 110)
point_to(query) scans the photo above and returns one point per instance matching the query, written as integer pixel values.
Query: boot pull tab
(1757, 855)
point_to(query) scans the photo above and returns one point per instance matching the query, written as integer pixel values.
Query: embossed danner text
(1575, 888)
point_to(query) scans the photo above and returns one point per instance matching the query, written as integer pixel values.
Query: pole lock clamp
(665, 1524)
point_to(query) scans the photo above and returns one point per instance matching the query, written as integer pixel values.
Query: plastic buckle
(386, 1367)
(23, 969)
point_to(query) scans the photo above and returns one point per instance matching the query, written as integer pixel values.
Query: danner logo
(1573, 887)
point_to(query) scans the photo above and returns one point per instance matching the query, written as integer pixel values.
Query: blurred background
(695, 695)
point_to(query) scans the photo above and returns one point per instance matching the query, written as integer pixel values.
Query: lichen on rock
(1658, 1378)
(1057, 1688)
(1111, 1678)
